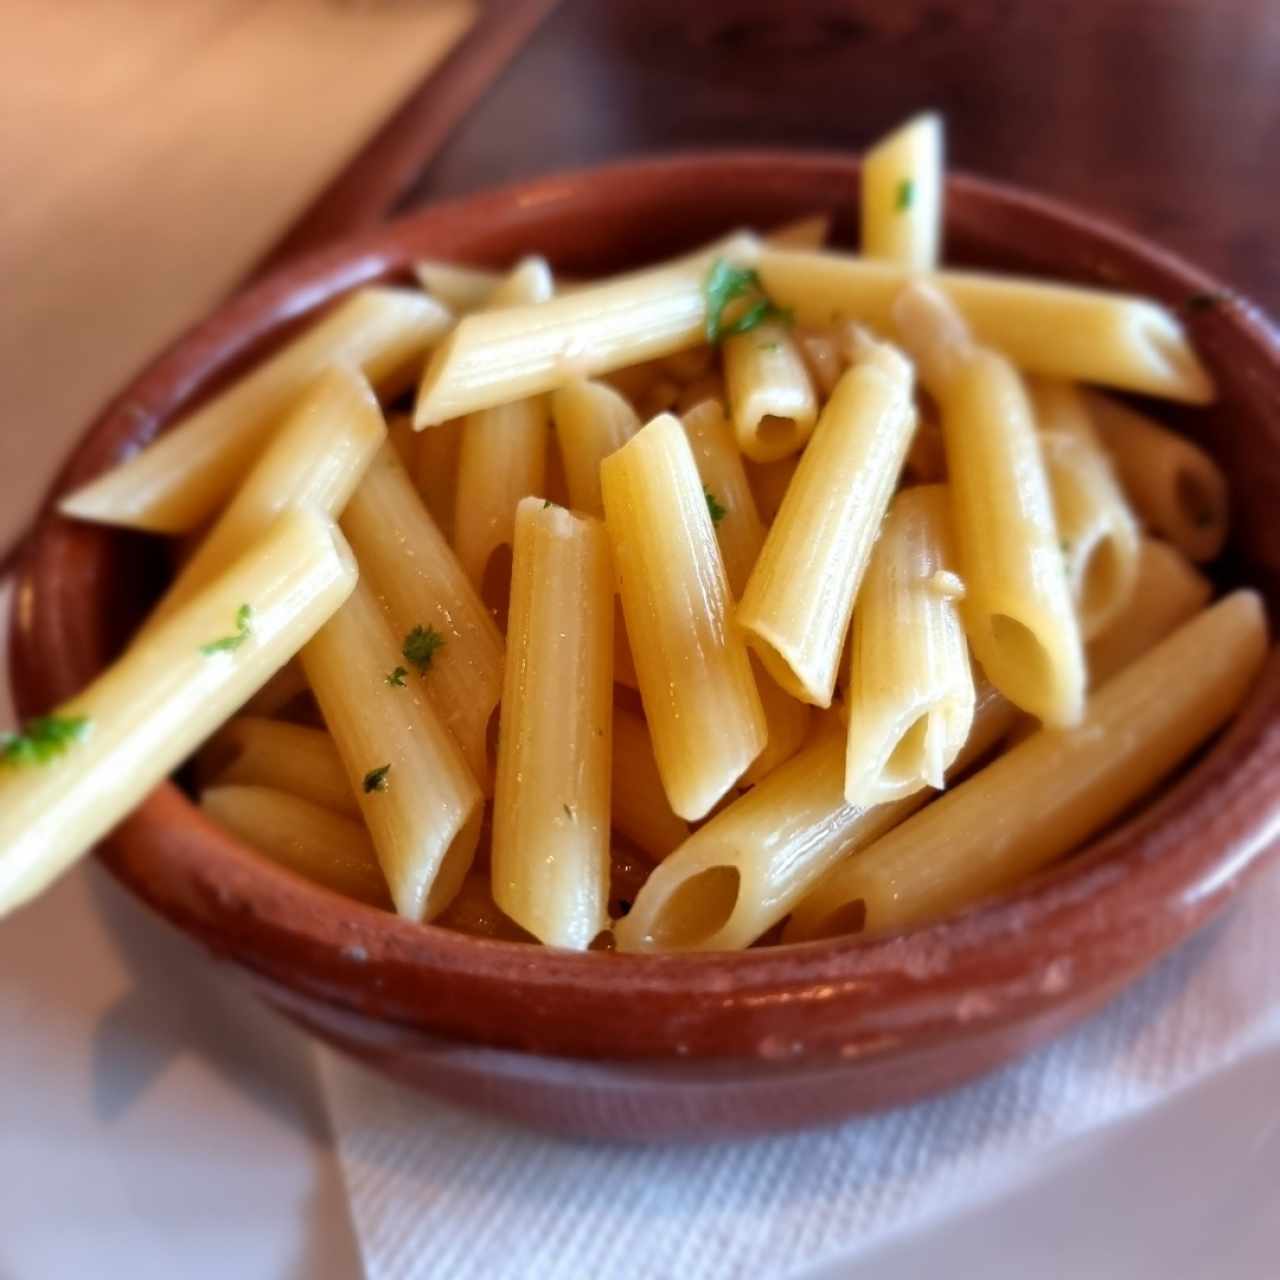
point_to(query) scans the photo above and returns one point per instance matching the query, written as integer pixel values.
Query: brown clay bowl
(686, 1046)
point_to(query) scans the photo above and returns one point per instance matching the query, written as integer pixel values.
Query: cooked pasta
(771, 398)
(461, 289)
(435, 472)
(902, 195)
(592, 420)
(641, 811)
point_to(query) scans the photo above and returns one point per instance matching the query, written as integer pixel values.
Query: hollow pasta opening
(906, 761)
(1022, 651)
(454, 866)
(1099, 578)
(776, 435)
(495, 584)
(699, 908)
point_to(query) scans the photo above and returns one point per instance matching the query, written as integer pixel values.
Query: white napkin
(438, 1191)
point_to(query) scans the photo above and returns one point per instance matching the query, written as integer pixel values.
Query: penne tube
(501, 356)
(786, 725)
(822, 358)
(810, 232)
(435, 472)
(461, 289)
(295, 759)
(503, 458)
(275, 696)
(87, 765)
(769, 483)
(641, 811)
(902, 188)
(911, 693)
(1055, 789)
(1098, 534)
(799, 598)
(315, 458)
(1017, 605)
(1061, 331)
(695, 680)
(528, 283)
(592, 420)
(309, 839)
(418, 799)
(1168, 591)
(424, 590)
(771, 397)
(1175, 486)
(183, 478)
(551, 819)
(741, 873)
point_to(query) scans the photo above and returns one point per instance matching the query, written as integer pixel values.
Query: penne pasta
(528, 283)
(501, 356)
(741, 873)
(316, 458)
(810, 232)
(640, 808)
(911, 691)
(822, 358)
(771, 397)
(1061, 331)
(1168, 590)
(435, 472)
(300, 761)
(1056, 788)
(148, 711)
(592, 420)
(419, 801)
(183, 478)
(461, 289)
(1175, 486)
(799, 598)
(1098, 533)
(695, 680)
(769, 483)
(1017, 606)
(425, 591)
(551, 803)
(902, 195)
(313, 841)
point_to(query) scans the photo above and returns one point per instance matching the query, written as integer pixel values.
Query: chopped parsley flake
(228, 644)
(420, 647)
(714, 509)
(725, 284)
(376, 779)
(396, 678)
(42, 739)
(906, 195)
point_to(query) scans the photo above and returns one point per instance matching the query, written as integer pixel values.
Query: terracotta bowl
(686, 1046)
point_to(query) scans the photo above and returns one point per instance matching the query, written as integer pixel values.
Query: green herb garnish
(228, 644)
(725, 284)
(42, 739)
(546, 502)
(906, 195)
(396, 678)
(714, 509)
(376, 779)
(420, 647)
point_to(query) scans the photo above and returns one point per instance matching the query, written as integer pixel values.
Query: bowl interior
(1119, 904)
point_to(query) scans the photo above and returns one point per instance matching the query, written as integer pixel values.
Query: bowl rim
(979, 968)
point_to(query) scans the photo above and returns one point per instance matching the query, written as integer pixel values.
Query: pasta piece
(821, 355)
(418, 799)
(1167, 592)
(275, 696)
(736, 877)
(911, 686)
(425, 590)
(786, 725)
(1061, 331)
(121, 736)
(435, 472)
(551, 804)
(461, 289)
(810, 232)
(503, 459)
(1098, 533)
(902, 195)
(1175, 486)
(1017, 607)
(695, 680)
(640, 808)
(314, 841)
(180, 481)
(316, 458)
(1056, 788)
(528, 283)
(769, 483)
(404, 439)
(591, 421)
(800, 595)
(302, 762)
(772, 400)
(501, 356)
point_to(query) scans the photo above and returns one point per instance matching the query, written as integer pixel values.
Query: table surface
(1161, 114)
